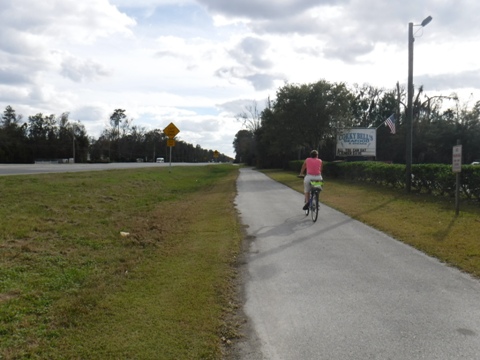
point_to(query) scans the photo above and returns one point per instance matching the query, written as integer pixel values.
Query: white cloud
(65, 20)
(198, 62)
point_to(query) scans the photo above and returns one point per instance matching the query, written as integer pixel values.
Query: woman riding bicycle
(313, 167)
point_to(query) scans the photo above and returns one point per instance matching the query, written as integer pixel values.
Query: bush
(295, 165)
(435, 179)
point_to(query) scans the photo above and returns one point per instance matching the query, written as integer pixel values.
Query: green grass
(425, 222)
(71, 287)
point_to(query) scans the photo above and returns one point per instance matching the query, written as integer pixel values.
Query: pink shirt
(314, 166)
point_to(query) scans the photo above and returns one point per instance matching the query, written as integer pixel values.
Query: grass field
(72, 287)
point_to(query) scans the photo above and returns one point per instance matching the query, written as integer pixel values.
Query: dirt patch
(4, 297)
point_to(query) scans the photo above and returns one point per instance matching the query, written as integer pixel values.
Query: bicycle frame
(313, 203)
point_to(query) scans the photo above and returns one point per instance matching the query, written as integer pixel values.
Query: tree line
(304, 117)
(54, 138)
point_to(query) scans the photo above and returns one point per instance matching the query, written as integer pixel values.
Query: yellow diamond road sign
(171, 130)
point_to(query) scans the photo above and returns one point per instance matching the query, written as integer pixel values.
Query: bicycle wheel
(315, 207)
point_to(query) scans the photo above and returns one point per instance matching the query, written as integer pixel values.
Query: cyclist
(313, 168)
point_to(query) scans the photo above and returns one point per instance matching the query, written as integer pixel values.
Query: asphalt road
(28, 169)
(338, 289)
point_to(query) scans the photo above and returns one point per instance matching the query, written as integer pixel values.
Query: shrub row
(434, 179)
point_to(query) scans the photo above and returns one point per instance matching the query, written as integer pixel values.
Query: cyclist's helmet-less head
(314, 153)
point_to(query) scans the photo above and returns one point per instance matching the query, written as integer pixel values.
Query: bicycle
(313, 203)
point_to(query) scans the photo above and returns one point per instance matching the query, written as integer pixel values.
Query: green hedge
(435, 179)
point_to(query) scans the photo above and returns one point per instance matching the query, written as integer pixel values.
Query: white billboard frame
(356, 142)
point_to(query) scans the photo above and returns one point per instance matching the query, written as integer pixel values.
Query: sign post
(457, 168)
(171, 131)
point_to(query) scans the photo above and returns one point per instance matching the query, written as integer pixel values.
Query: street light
(409, 136)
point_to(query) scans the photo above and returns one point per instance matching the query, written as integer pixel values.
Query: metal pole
(409, 132)
(73, 143)
(457, 188)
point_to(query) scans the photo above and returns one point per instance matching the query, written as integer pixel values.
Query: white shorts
(307, 179)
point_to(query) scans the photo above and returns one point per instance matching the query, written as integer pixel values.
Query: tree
(9, 118)
(366, 107)
(155, 144)
(250, 117)
(302, 118)
(243, 145)
(80, 141)
(13, 138)
(116, 121)
(329, 110)
(37, 134)
(252, 121)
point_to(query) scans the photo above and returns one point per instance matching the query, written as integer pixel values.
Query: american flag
(390, 122)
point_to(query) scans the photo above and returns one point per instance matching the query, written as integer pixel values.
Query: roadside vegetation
(42, 137)
(312, 116)
(141, 264)
(127, 264)
(423, 221)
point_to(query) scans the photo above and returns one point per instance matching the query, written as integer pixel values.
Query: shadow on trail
(289, 227)
(297, 223)
(301, 222)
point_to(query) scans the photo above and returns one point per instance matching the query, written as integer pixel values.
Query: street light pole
(409, 133)
(409, 117)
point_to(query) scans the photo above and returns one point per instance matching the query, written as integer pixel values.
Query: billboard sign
(357, 142)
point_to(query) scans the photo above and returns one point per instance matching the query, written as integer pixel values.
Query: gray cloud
(89, 113)
(253, 64)
(208, 125)
(15, 42)
(67, 19)
(259, 80)
(255, 9)
(355, 25)
(347, 53)
(251, 53)
(13, 77)
(82, 70)
(238, 106)
(262, 81)
(167, 53)
(461, 80)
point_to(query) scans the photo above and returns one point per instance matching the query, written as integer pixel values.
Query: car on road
(160, 160)
(475, 163)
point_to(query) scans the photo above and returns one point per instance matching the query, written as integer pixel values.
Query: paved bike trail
(338, 289)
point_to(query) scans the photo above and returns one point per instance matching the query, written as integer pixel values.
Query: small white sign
(457, 158)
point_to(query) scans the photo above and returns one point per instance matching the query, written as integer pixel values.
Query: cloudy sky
(198, 63)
